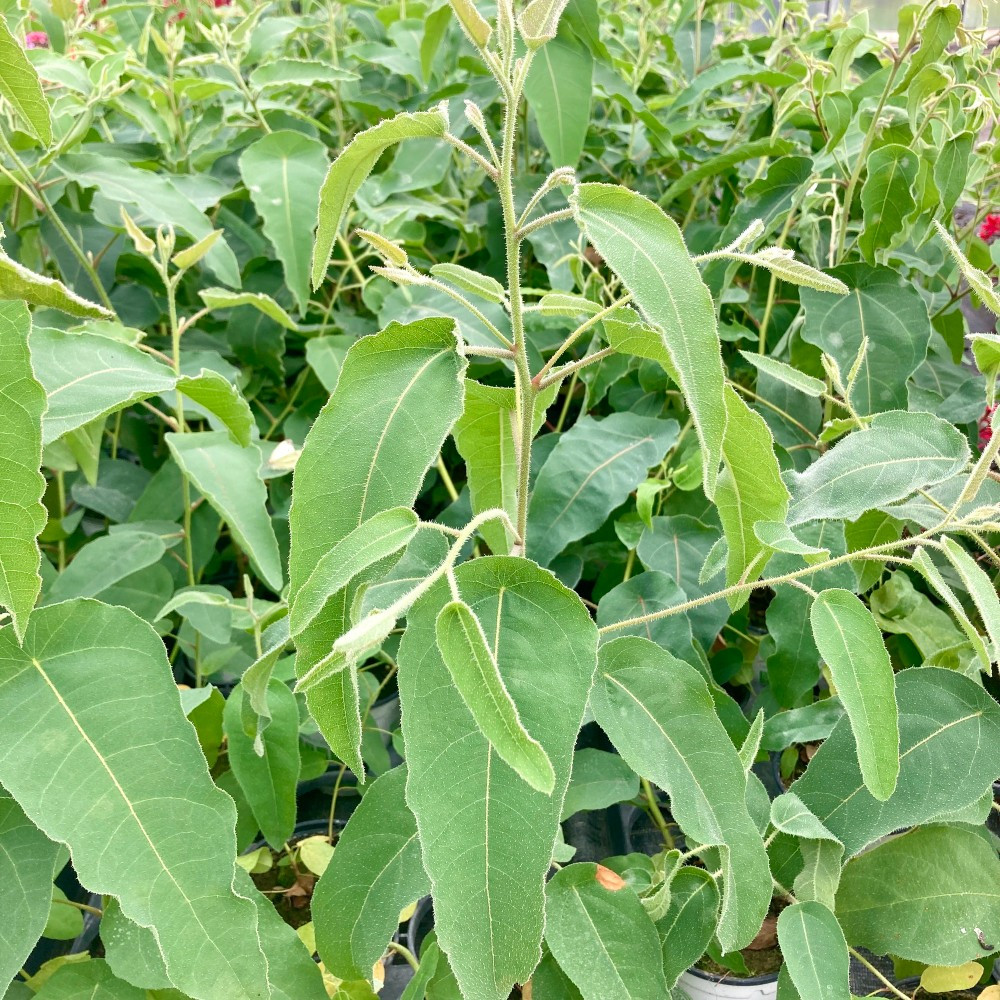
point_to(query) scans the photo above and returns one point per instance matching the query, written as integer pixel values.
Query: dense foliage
(444, 430)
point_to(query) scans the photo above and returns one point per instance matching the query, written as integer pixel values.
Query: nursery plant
(602, 378)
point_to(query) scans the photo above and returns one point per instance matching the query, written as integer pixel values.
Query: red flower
(985, 433)
(989, 230)
(223, 3)
(36, 40)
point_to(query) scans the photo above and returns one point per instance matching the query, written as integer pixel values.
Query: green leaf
(229, 478)
(981, 589)
(354, 164)
(65, 922)
(890, 313)
(256, 712)
(286, 72)
(27, 860)
(851, 645)
(539, 21)
(943, 717)
(896, 455)
(22, 403)
(466, 653)
(599, 779)
(486, 438)
(601, 936)
(802, 725)
(778, 536)
(558, 90)
(471, 281)
(487, 837)
(749, 490)
(20, 87)
(17, 282)
(375, 872)
(371, 542)
(104, 562)
(591, 471)
(284, 171)
(927, 896)
(886, 198)
(660, 715)
(721, 162)
(644, 247)
(132, 951)
(473, 23)
(815, 952)
(951, 168)
(87, 376)
(689, 923)
(222, 298)
(837, 111)
(268, 780)
(92, 747)
(786, 373)
(398, 394)
(93, 979)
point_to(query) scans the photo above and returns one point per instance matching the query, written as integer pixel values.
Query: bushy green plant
(648, 448)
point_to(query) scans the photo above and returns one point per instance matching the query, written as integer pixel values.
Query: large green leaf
(591, 470)
(104, 562)
(815, 952)
(890, 313)
(283, 171)
(645, 248)
(22, 403)
(558, 90)
(374, 873)
(886, 198)
(895, 456)
(487, 837)
(601, 935)
(943, 717)
(851, 645)
(228, 476)
(750, 489)
(689, 923)
(354, 164)
(27, 860)
(74, 746)
(660, 715)
(485, 436)
(20, 88)
(17, 282)
(931, 895)
(398, 394)
(93, 980)
(87, 376)
(268, 780)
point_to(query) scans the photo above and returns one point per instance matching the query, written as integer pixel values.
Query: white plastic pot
(700, 985)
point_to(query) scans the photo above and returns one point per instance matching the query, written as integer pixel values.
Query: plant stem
(61, 495)
(656, 814)
(405, 952)
(79, 906)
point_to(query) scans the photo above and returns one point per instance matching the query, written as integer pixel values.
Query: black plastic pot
(640, 835)
(993, 820)
(596, 834)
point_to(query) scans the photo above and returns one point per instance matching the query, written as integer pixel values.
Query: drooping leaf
(644, 247)
(750, 489)
(943, 716)
(783, 264)
(689, 923)
(466, 653)
(601, 936)
(104, 562)
(978, 281)
(283, 171)
(599, 779)
(17, 282)
(354, 164)
(886, 198)
(850, 643)
(590, 472)
(22, 403)
(222, 298)
(228, 476)
(269, 779)
(256, 713)
(931, 895)
(471, 281)
(398, 394)
(896, 455)
(375, 871)
(815, 952)
(890, 313)
(980, 588)
(660, 715)
(786, 373)
(27, 859)
(20, 88)
(486, 438)
(559, 91)
(487, 837)
(96, 751)
(288, 72)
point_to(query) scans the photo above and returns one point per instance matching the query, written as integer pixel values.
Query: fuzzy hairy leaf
(660, 715)
(786, 373)
(815, 952)
(645, 248)
(17, 282)
(20, 88)
(22, 403)
(354, 164)
(222, 298)
(689, 923)
(95, 750)
(487, 837)
(375, 871)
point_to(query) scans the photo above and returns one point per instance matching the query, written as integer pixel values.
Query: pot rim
(771, 977)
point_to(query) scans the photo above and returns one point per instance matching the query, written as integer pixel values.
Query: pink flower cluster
(36, 40)
(985, 433)
(989, 229)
